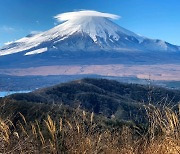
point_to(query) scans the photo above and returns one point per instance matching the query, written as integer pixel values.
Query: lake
(6, 93)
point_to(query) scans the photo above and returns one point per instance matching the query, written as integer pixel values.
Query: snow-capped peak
(84, 31)
(93, 26)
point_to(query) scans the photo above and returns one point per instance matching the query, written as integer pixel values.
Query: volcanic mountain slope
(87, 31)
(106, 97)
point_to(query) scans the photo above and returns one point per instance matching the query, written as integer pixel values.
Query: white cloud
(7, 29)
(55, 23)
(35, 32)
(85, 13)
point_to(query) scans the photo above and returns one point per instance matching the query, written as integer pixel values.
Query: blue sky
(152, 18)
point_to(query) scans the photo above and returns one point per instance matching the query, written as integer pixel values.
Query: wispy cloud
(55, 23)
(37, 21)
(7, 29)
(85, 13)
(35, 32)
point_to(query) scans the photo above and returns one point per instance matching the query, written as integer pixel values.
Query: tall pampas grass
(82, 133)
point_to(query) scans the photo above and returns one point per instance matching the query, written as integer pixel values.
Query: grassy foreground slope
(91, 116)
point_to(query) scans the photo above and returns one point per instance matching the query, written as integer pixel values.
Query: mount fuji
(87, 31)
(87, 38)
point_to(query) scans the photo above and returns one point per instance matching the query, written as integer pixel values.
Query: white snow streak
(38, 51)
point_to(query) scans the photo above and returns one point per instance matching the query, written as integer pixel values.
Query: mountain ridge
(102, 96)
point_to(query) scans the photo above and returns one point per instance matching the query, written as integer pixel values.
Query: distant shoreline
(6, 93)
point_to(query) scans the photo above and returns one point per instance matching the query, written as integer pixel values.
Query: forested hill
(106, 97)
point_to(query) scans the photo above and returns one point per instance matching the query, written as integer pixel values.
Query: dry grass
(81, 134)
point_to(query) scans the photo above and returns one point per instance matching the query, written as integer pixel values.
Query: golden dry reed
(81, 134)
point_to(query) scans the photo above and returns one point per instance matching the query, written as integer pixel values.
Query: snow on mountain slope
(36, 51)
(85, 31)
